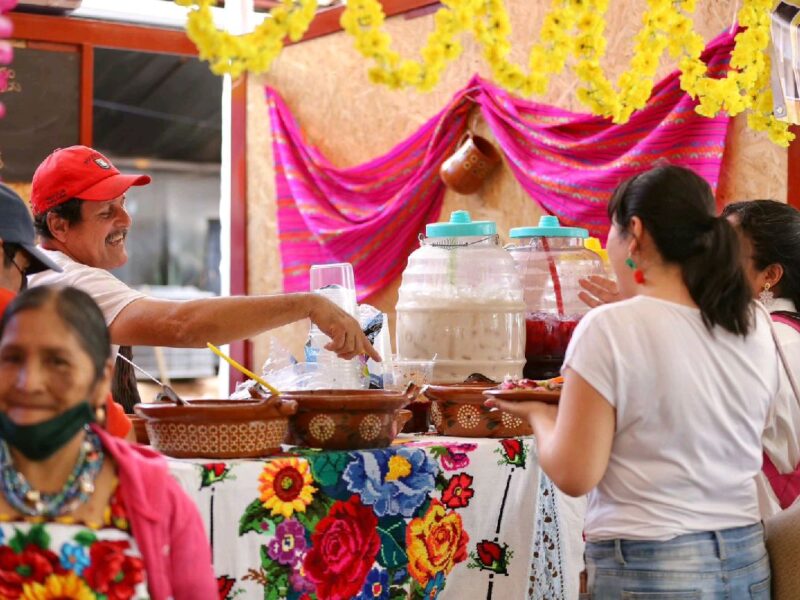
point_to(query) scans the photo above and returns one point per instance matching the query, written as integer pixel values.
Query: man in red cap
(78, 200)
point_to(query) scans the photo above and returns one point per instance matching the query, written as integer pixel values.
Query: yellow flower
(409, 72)
(399, 467)
(512, 77)
(373, 43)
(435, 543)
(590, 23)
(58, 587)
(286, 486)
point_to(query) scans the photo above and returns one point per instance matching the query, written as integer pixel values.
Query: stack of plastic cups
(337, 284)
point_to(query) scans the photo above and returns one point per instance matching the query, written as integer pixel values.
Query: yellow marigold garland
(571, 28)
(255, 51)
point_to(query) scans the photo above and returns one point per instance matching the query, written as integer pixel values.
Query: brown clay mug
(465, 171)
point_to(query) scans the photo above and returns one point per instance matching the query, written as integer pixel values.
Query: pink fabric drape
(371, 214)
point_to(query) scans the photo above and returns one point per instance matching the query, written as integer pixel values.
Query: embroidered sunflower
(56, 587)
(286, 486)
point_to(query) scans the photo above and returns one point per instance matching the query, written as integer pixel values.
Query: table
(428, 517)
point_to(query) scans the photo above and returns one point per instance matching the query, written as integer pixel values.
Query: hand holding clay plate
(527, 390)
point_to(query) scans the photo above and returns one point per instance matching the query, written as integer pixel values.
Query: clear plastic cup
(337, 283)
(403, 372)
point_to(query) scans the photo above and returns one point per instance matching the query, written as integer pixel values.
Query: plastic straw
(242, 369)
(554, 275)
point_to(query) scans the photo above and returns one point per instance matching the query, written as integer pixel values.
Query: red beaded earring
(638, 274)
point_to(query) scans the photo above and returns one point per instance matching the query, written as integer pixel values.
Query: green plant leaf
(85, 538)
(416, 592)
(272, 569)
(397, 593)
(392, 531)
(327, 468)
(315, 512)
(254, 515)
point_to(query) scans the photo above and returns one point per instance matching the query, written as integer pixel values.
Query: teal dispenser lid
(460, 225)
(549, 227)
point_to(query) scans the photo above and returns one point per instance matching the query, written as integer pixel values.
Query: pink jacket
(164, 522)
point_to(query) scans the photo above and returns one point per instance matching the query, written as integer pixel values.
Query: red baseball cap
(78, 172)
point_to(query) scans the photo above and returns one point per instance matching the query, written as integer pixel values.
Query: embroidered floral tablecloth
(429, 517)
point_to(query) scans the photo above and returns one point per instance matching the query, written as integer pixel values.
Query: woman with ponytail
(666, 395)
(770, 237)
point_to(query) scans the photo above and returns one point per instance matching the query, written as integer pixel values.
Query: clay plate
(523, 395)
(459, 410)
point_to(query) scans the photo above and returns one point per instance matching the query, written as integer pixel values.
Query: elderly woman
(666, 395)
(82, 514)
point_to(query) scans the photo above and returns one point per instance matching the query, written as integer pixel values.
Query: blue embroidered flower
(74, 558)
(434, 587)
(395, 481)
(376, 586)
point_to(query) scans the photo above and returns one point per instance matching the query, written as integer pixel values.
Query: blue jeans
(730, 564)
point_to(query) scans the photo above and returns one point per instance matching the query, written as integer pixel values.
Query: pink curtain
(371, 214)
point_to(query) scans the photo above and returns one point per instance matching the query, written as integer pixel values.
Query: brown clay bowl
(459, 410)
(139, 430)
(218, 428)
(346, 419)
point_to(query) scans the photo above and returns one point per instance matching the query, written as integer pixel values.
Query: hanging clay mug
(465, 171)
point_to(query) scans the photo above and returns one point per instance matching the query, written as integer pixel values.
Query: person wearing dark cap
(21, 257)
(78, 200)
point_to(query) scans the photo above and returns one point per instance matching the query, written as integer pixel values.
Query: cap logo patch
(101, 163)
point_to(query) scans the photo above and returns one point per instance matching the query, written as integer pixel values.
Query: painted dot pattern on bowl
(436, 415)
(322, 427)
(511, 421)
(370, 427)
(468, 417)
(218, 438)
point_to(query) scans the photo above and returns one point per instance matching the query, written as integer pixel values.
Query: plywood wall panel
(324, 82)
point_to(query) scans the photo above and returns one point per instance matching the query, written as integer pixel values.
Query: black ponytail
(676, 207)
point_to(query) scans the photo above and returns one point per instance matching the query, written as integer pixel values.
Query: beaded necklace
(77, 489)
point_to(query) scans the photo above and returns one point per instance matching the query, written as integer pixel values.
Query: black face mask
(40, 441)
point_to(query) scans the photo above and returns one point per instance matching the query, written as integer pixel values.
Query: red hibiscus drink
(546, 339)
(551, 260)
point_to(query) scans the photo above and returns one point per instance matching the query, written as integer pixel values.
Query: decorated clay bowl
(140, 430)
(347, 419)
(218, 428)
(459, 410)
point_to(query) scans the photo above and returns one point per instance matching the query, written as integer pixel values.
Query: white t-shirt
(782, 435)
(691, 407)
(110, 293)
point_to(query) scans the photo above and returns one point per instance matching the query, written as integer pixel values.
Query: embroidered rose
(343, 549)
(455, 456)
(224, 586)
(435, 543)
(33, 564)
(457, 494)
(112, 572)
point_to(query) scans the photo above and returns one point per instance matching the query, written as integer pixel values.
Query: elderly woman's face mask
(47, 383)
